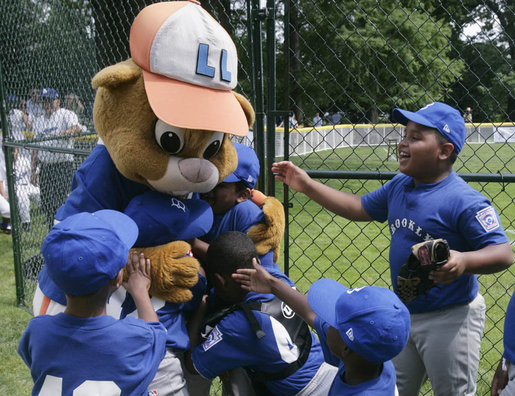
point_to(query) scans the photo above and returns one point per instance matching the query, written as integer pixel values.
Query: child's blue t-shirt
(232, 343)
(449, 209)
(384, 385)
(241, 217)
(68, 354)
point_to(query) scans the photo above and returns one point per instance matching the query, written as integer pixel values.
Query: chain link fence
(345, 63)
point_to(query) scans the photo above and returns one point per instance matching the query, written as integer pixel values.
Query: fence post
(15, 221)
(259, 144)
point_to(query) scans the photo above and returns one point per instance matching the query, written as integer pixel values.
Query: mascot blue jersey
(69, 355)
(232, 343)
(384, 385)
(96, 185)
(509, 331)
(449, 209)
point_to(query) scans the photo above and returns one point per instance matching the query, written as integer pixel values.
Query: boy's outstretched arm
(339, 202)
(138, 285)
(260, 281)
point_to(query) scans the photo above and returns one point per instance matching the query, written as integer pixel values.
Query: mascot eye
(214, 145)
(170, 138)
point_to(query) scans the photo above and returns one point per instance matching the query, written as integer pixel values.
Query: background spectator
(317, 120)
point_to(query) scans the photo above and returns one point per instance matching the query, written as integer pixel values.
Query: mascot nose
(196, 170)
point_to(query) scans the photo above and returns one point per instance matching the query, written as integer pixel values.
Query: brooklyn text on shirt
(410, 225)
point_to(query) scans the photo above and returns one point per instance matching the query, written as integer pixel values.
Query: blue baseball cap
(440, 116)
(49, 93)
(372, 320)
(162, 218)
(248, 167)
(11, 98)
(85, 251)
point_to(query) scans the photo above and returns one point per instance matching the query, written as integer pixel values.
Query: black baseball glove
(425, 257)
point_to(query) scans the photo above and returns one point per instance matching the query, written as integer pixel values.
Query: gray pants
(443, 346)
(169, 379)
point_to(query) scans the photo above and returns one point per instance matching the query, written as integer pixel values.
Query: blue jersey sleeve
(375, 203)
(97, 184)
(230, 344)
(509, 331)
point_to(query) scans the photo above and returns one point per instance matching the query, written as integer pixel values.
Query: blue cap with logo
(85, 251)
(11, 98)
(444, 118)
(372, 320)
(248, 167)
(162, 218)
(49, 93)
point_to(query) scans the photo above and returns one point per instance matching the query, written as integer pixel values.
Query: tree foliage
(360, 57)
(47, 44)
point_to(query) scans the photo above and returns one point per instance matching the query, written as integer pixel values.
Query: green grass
(320, 245)
(15, 377)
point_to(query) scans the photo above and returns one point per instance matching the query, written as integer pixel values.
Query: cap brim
(124, 227)
(232, 178)
(194, 107)
(403, 116)
(322, 298)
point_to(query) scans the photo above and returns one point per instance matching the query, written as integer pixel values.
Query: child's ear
(244, 195)
(219, 278)
(446, 150)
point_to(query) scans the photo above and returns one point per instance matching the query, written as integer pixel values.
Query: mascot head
(165, 114)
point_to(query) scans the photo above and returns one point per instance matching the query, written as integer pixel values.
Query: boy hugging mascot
(164, 117)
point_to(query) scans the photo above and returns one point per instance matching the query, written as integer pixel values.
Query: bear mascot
(164, 119)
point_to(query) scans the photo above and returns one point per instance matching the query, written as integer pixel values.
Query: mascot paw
(268, 236)
(174, 271)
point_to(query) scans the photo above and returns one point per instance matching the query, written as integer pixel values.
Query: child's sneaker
(6, 228)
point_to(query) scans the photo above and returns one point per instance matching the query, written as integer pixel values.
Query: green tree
(367, 56)
(47, 44)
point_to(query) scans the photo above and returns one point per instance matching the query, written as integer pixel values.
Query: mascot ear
(115, 75)
(247, 108)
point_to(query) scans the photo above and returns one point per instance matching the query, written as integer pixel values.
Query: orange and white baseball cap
(190, 67)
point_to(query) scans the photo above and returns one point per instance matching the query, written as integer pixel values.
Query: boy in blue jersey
(253, 330)
(83, 350)
(360, 329)
(233, 207)
(428, 200)
(503, 382)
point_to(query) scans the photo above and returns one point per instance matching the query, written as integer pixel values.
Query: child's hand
(257, 280)
(451, 270)
(138, 269)
(291, 175)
